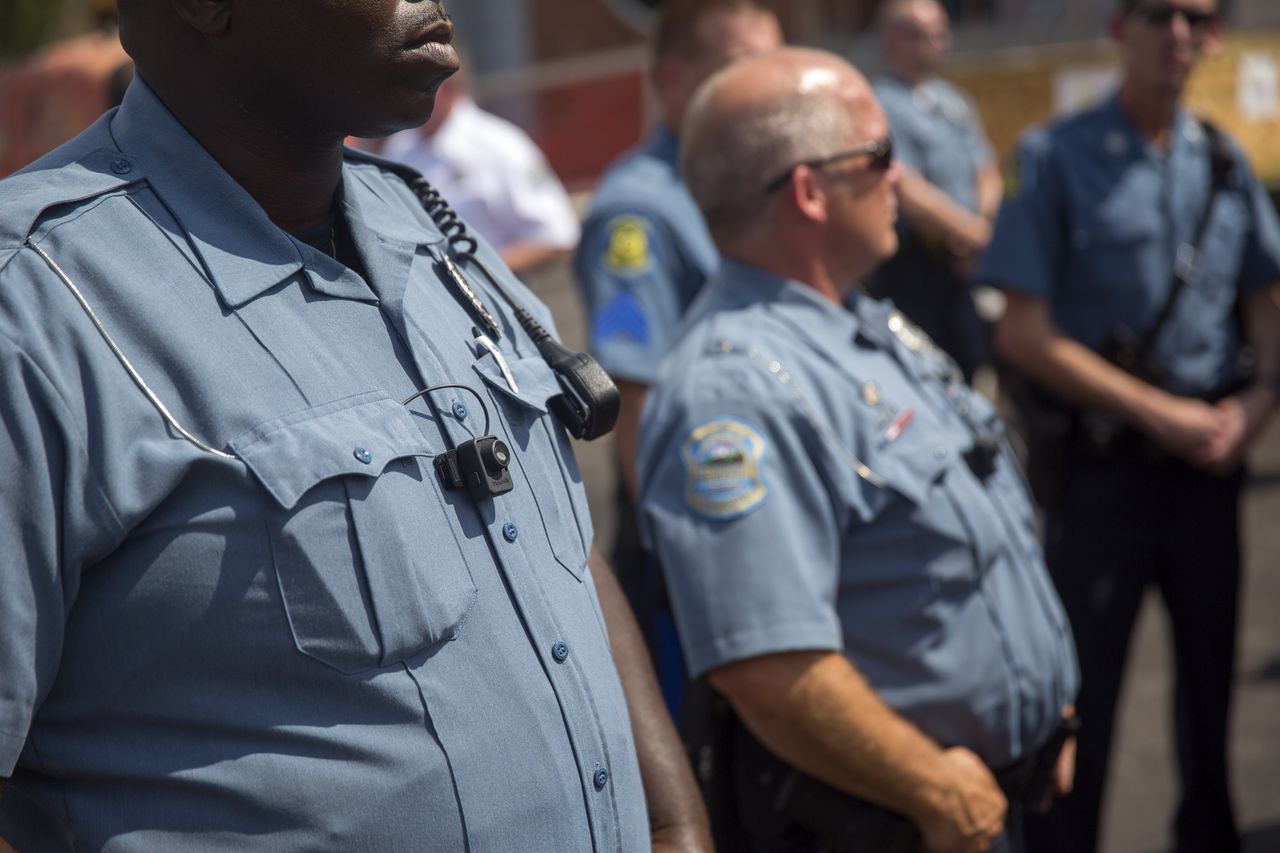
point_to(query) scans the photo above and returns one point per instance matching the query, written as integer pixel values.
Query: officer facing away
(247, 603)
(1137, 239)
(645, 253)
(850, 552)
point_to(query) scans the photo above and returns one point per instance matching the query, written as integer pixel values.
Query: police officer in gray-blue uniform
(644, 255)
(950, 188)
(260, 592)
(850, 551)
(1135, 234)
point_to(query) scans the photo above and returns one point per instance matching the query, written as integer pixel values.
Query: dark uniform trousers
(1126, 524)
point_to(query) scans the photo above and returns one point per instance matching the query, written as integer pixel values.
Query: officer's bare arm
(816, 712)
(1247, 412)
(932, 213)
(1027, 338)
(990, 190)
(626, 433)
(676, 815)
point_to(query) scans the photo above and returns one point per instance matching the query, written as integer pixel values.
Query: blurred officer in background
(493, 175)
(950, 187)
(645, 253)
(849, 549)
(248, 602)
(1134, 236)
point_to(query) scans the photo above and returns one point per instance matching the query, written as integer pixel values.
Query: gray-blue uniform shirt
(300, 641)
(1095, 225)
(645, 254)
(938, 133)
(804, 485)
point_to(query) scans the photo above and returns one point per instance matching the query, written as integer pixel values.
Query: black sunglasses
(881, 151)
(1160, 16)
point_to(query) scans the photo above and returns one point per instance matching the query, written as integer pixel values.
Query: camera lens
(497, 457)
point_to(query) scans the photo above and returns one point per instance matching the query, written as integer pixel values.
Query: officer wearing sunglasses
(847, 544)
(1137, 230)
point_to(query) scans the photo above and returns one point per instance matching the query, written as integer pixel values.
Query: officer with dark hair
(645, 253)
(1136, 242)
(297, 553)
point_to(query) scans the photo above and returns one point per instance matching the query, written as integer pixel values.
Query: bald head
(759, 117)
(916, 35)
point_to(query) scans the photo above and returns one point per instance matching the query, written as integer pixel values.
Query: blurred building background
(571, 72)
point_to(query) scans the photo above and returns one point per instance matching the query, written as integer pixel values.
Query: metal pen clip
(486, 343)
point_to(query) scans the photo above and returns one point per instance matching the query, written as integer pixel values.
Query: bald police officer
(850, 551)
(1112, 205)
(260, 592)
(950, 187)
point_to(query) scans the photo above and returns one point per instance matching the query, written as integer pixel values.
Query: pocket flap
(535, 381)
(354, 436)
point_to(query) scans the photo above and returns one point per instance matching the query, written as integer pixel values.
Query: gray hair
(728, 155)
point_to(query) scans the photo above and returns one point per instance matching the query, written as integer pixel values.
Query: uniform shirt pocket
(542, 451)
(365, 550)
(957, 533)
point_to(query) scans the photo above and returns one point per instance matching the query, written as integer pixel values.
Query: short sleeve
(628, 265)
(742, 524)
(46, 508)
(1260, 267)
(1026, 248)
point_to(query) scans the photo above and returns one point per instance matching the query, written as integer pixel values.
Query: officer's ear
(805, 194)
(207, 17)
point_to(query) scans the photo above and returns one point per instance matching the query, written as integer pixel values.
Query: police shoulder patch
(628, 251)
(722, 458)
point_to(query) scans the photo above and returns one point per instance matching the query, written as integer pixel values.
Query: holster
(757, 802)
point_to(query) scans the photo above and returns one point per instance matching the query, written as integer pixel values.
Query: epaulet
(79, 170)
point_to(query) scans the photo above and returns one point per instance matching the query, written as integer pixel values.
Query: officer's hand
(1241, 418)
(973, 808)
(1183, 426)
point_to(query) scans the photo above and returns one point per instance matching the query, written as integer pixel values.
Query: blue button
(121, 167)
(510, 532)
(601, 778)
(560, 651)
(459, 410)
(362, 455)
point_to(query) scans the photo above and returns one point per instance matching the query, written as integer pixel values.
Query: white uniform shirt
(493, 175)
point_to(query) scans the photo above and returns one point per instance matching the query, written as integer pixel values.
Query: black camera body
(481, 465)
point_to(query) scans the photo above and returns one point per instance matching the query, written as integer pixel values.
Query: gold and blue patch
(722, 458)
(628, 251)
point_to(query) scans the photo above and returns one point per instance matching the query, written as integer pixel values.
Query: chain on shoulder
(775, 369)
(121, 357)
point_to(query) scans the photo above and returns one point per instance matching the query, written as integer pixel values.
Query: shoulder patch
(722, 458)
(628, 251)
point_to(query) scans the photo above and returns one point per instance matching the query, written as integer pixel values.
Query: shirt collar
(664, 144)
(1185, 135)
(740, 284)
(244, 253)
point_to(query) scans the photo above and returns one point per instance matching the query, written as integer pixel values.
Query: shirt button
(940, 452)
(509, 531)
(560, 651)
(601, 778)
(362, 455)
(121, 167)
(459, 410)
